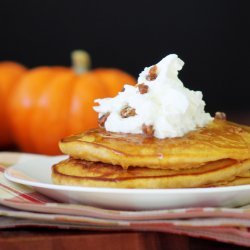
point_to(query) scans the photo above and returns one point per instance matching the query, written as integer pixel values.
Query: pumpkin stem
(81, 61)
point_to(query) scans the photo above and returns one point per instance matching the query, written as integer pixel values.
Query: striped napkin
(21, 206)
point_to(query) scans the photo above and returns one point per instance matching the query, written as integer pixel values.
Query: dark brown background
(212, 37)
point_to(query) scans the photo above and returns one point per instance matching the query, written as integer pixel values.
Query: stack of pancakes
(216, 155)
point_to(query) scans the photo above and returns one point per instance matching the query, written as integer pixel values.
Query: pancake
(242, 178)
(245, 174)
(218, 140)
(235, 182)
(96, 174)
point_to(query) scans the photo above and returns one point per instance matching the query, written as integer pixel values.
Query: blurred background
(212, 37)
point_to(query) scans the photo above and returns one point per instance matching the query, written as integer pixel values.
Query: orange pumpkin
(10, 72)
(52, 102)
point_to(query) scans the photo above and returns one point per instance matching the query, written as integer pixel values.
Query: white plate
(37, 174)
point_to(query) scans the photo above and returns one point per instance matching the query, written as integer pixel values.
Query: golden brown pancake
(95, 174)
(242, 178)
(245, 174)
(234, 181)
(237, 181)
(218, 140)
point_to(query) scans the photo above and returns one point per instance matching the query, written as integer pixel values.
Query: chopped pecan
(220, 116)
(152, 74)
(127, 112)
(148, 129)
(236, 130)
(143, 89)
(103, 119)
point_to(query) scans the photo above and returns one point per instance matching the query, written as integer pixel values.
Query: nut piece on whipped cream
(148, 130)
(220, 116)
(102, 119)
(152, 73)
(127, 112)
(143, 89)
(169, 107)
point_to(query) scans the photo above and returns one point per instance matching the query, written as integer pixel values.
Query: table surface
(44, 239)
(58, 239)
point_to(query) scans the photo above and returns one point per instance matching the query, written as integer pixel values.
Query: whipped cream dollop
(159, 104)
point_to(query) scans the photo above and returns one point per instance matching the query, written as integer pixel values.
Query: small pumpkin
(10, 72)
(52, 102)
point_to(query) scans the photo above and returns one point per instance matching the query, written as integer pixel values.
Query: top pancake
(218, 140)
